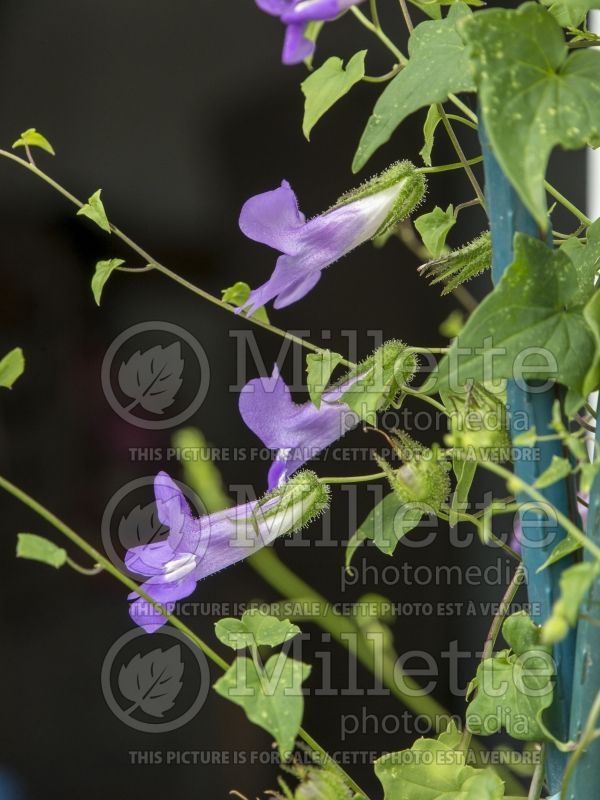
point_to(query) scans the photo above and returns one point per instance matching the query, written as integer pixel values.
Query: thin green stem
(425, 397)
(537, 781)
(353, 478)
(98, 558)
(90, 571)
(567, 204)
(520, 485)
(464, 108)
(152, 263)
(375, 13)
(459, 151)
(383, 78)
(370, 26)
(448, 167)
(462, 120)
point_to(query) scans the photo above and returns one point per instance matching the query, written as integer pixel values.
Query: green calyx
(460, 265)
(303, 499)
(379, 379)
(478, 425)
(423, 478)
(410, 184)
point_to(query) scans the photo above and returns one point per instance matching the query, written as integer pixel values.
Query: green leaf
(434, 227)
(431, 122)
(434, 769)
(255, 629)
(529, 308)
(438, 65)
(199, 472)
(575, 583)
(94, 210)
(271, 699)
(326, 85)
(238, 294)
(512, 692)
(385, 525)
(591, 314)
(533, 93)
(36, 548)
(453, 324)
(319, 367)
(586, 259)
(558, 469)
(526, 439)
(522, 634)
(12, 366)
(570, 13)
(104, 270)
(465, 472)
(32, 138)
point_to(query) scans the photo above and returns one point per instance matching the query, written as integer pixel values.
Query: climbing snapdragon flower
(296, 16)
(198, 547)
(273, 218)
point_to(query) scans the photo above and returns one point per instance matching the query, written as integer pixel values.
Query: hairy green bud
(460, 265)
(478, 425)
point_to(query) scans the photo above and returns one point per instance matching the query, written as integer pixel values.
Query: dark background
(179, 111)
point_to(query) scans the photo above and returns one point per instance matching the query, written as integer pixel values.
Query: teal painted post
(508, 216)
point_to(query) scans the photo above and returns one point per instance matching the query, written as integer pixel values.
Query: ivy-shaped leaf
(271, 698)
(104, 270)
(94, 210)
(327, 84)
(514, 686)
(533, 94)
(385, 525)
(32, 138)
(37, 548)
(434, 769)
(438, 65)
(434, 227)
(12, 366)
(319, 367)
(254, 629)
(531, 307)
(237, 296)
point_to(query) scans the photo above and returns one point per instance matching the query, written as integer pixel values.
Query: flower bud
(424, 476)
(294, 504)
(376, 382)
(478, 426)
(321, 784)
(460, 265)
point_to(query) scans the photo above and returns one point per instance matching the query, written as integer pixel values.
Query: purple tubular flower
(196, 548)
(297, 431)
(296, 14)
(273, 218)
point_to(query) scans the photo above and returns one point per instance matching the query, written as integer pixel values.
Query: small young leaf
(271, 698)
(564, 548)
(434, 227)
(12, 366)
(526, 439)
(104, 269)
(237, 296)
(36, 548)
(431, 122)
(319, 367)
(326, 85)
(575, 583)
(386, 524)
(94, 210)
(559, 468)
(586, 260)
(453, 324)
(31, 138)
(570, 13)
(254, 629)
(465, 473)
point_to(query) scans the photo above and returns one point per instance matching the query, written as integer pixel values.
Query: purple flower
(297, 431)
(196, 548)
(273, 218)
(296, 14)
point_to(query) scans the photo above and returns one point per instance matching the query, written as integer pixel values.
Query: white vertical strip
(593, 156)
